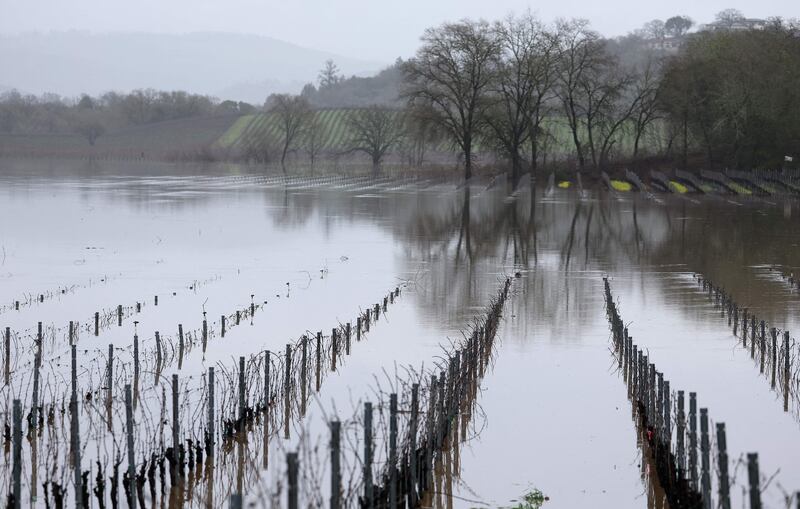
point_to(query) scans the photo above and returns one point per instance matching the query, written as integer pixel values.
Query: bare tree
(421, 132)
(606, 108)
(594, 91)
(374, 131)
(582, 57)
(313, 138)
(524, 79)
(645, 100)
(88, 121)
(728, 18)
(90, 129)
(293, 113)
(451, 74)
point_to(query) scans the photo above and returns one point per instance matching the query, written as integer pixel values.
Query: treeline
(91, 117)
(526, 91)
(735, 96)
(732, 94)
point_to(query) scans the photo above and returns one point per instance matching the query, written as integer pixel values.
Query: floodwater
(552, 412)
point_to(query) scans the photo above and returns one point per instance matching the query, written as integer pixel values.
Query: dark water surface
(554, 413)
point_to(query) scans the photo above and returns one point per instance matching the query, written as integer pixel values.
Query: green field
(335, 136)
(333, 126)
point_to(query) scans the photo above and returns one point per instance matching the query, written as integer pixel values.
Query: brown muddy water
(310, 254)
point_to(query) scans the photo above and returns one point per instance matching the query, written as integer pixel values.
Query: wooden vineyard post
(319, 360)
(681, 430)
(211, 422)
(129, 437)
(336, 472)
(722, 459)
(393, 450)
(368, 492)
(693, 439)
(76, 451)
(8, 355)
(753, 480)
(705, 460)
(180, 346)
(175, 428)
(412, 432)
(242, 398)
(16, 457)
(287, 387)
(291, 460)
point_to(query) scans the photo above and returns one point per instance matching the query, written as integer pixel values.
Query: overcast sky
(369, 29)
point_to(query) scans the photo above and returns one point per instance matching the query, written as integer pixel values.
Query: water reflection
(453, 245)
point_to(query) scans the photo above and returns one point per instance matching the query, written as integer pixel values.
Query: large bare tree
(645, 94)
(293, 113)
(451, 74)
(524, 77)
(313, 138)
(594, 91)
(374, 131)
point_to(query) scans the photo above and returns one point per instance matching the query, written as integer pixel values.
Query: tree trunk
(467, 160)
(592, 151)
(376, 165)
(283, 156)
(685, 141)
(573, 125)
(636, 143)
(515, 166)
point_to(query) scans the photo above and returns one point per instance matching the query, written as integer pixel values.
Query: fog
(246, 50)
(362, 29)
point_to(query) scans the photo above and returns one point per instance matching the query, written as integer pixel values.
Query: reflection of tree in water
(459, 242)
(476, 235)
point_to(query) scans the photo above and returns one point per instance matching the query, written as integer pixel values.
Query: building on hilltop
(736, 25)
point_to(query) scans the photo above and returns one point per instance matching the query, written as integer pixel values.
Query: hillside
(229, 66)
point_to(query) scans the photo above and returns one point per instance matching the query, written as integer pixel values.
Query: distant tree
(86, 103)
(374, 131)
(451, 73)
(655, 29)
(329, 75)
(293, 114)
(245, 108)
(729, 17)
(308, 91)
(227, 107)
(422, 131)
(313, 138)
(255, 147)
(677, 26)
(88, 124)
(716, 88)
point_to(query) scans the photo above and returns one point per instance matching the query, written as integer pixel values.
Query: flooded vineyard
(221, 338)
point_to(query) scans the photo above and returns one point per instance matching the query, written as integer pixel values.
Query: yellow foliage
(564, 184)
(678, 187)
(621, 185)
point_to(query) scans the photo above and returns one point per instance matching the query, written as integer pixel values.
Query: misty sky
(368, 29)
